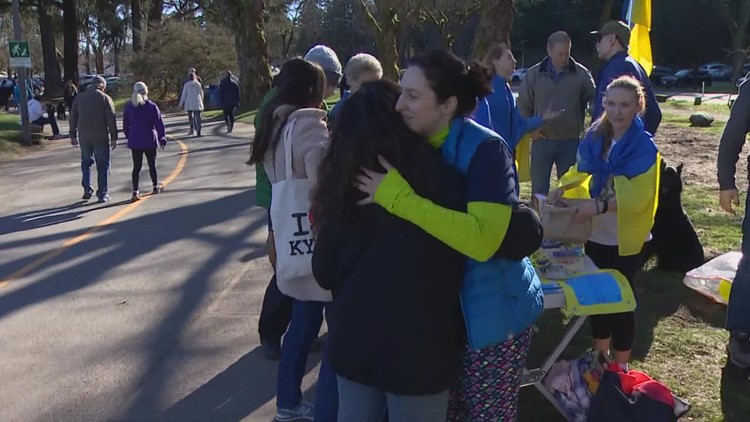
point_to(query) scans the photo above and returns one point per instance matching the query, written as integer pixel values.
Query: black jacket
(229, 92)
(395, 323)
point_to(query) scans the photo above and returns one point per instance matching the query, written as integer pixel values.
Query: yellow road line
(90, 232)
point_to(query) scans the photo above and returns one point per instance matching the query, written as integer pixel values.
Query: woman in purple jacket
(144, 128)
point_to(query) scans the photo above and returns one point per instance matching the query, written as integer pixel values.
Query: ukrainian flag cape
(634, 163)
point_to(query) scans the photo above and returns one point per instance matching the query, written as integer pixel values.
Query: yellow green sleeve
(476, 234)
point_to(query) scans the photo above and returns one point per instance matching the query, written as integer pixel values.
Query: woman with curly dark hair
(395, 327)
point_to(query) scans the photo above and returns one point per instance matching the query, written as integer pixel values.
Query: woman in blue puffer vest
(501, 297)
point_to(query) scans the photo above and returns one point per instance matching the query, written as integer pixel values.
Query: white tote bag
(293, 237)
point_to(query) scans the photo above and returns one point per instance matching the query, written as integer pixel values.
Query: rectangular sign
(20, 54)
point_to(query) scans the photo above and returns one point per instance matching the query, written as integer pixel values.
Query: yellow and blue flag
(637, 13)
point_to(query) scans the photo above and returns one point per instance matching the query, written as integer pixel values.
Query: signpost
(19, 54)
(20, 57)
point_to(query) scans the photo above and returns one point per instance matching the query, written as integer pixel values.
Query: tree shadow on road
(51, 216)
(235, 393)
(85, 265)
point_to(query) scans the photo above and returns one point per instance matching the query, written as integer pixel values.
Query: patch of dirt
(695, 148)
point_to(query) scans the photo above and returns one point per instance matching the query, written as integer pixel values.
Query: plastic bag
(714, 278)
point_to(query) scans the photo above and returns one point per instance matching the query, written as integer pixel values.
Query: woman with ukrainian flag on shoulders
(617, 171)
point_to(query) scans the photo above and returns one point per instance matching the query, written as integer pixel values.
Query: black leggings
(620, 327)
(138, 163)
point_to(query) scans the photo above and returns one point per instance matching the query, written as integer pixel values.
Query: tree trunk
(387, 27)
(738, 30)
(246, 20)
(52, 77)
(155, 14)
(494, 26)
(606, 15)
(252, 58)
(70, 41)
(116, 53)
(135, 22)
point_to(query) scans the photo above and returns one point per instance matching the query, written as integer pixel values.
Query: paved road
(144, 312)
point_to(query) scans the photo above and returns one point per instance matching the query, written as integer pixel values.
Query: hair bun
(478, 79)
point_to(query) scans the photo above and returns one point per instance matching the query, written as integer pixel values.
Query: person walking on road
(92, 125)
(192, 100)
(229, 93)
(143, 126)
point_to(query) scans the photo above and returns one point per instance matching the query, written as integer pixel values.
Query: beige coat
(309, 144)
(192, 96)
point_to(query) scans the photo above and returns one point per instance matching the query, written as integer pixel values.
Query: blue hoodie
(506, 119)
(622, 64)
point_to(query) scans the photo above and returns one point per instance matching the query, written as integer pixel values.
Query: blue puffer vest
(499, 298)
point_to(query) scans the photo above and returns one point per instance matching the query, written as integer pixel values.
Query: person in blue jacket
(505, 118)
(501, 295)
(612, 45)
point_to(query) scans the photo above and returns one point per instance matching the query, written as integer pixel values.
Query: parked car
(687, 77)
(658, 72)
(717, 71)
(518, 75)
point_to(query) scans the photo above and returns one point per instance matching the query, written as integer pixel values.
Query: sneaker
(103, 199)
(271, 351)
(191, 132)
(56, 137)
(199, 135)
(738, 349)
(136, 196)
(158, 189)
(87, 195)
(305, 411)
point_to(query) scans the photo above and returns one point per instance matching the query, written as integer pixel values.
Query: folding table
(554, 298)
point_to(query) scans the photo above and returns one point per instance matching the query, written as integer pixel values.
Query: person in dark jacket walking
(730, 147)
(144, 128)
(93, 126)
(395, 331)
(229, 93)
(612, 46)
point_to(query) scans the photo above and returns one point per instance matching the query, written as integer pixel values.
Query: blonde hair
(361, 63)
(602, 126)
(140, 94)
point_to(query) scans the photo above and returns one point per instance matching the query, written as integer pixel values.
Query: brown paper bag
(560, 225)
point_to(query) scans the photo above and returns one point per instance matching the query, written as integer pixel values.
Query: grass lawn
(679, 336)
(10, 137)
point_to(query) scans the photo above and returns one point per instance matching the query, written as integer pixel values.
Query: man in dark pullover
(738, 312)
(612, 45)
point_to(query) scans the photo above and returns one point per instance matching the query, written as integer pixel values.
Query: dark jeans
(194, 116)
(49, 120)
(738, 311)
(307, 318)
(620, 327)
(544, 153)
(99, 153)
(138, 163)
(229, 115)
